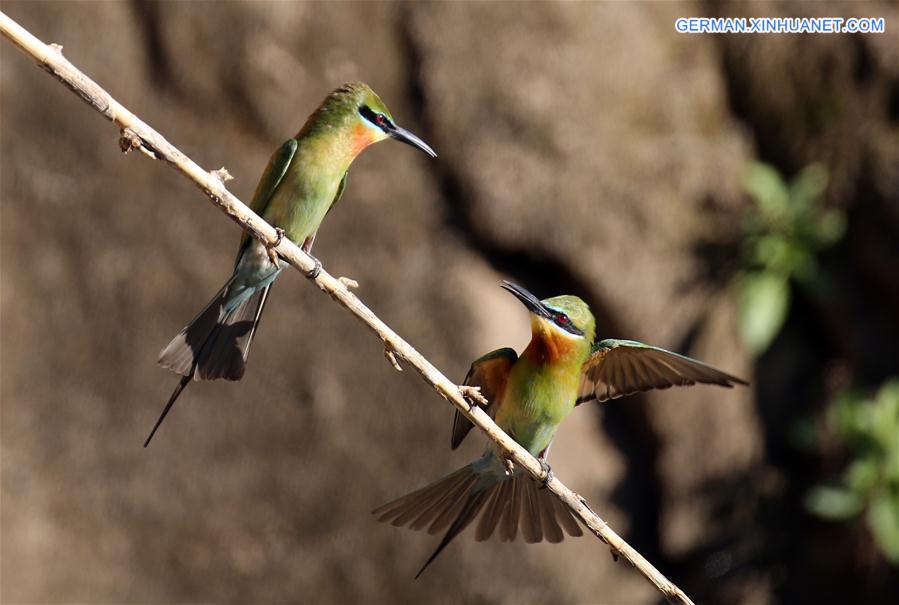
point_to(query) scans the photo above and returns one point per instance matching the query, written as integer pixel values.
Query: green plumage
(529, 397)
(302, 181)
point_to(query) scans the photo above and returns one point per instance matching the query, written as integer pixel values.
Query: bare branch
(135, 134)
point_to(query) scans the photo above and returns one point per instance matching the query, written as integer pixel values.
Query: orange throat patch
(362, 137)
(548, 344)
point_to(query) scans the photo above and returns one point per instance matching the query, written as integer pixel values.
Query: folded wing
(490, 373)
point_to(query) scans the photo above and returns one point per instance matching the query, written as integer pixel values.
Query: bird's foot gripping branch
(529, 395)
(52, 61)
(270, 247)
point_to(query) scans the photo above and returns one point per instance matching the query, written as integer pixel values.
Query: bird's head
(561, 323)
(358, 116)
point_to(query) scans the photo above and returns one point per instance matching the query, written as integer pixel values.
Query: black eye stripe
(563, 321)
(377, 119)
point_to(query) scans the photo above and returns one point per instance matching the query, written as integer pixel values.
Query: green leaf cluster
(870, 484)
(783, 231)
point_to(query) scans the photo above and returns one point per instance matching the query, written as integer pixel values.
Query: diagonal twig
(137, 135)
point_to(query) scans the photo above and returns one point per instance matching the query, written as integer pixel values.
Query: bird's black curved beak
(530, 301)
(404, 136)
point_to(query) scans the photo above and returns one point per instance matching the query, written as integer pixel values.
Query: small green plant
(870, 484)
(782, 232)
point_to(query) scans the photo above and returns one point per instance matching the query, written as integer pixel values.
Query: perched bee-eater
(302, 182)
(529, 396)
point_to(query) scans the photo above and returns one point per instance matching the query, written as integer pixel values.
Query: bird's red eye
(562, 318)
(381, 120)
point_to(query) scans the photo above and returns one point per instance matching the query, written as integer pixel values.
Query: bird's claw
(510, 466)
(547, 473)
(314, 272)
(270, 248)
(472, 395)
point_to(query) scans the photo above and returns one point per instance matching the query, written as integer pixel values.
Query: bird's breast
(536, 400)
(301, 202)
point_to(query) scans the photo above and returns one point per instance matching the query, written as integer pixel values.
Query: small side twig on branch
(135, 134)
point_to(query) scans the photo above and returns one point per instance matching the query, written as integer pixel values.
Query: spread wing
(489, 372)
(271, 178)
(622, 367)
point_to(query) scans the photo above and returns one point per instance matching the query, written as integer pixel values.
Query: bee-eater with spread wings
(303, 180)
(529, 396)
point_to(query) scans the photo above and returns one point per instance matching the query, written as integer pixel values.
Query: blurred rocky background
(584, 148)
